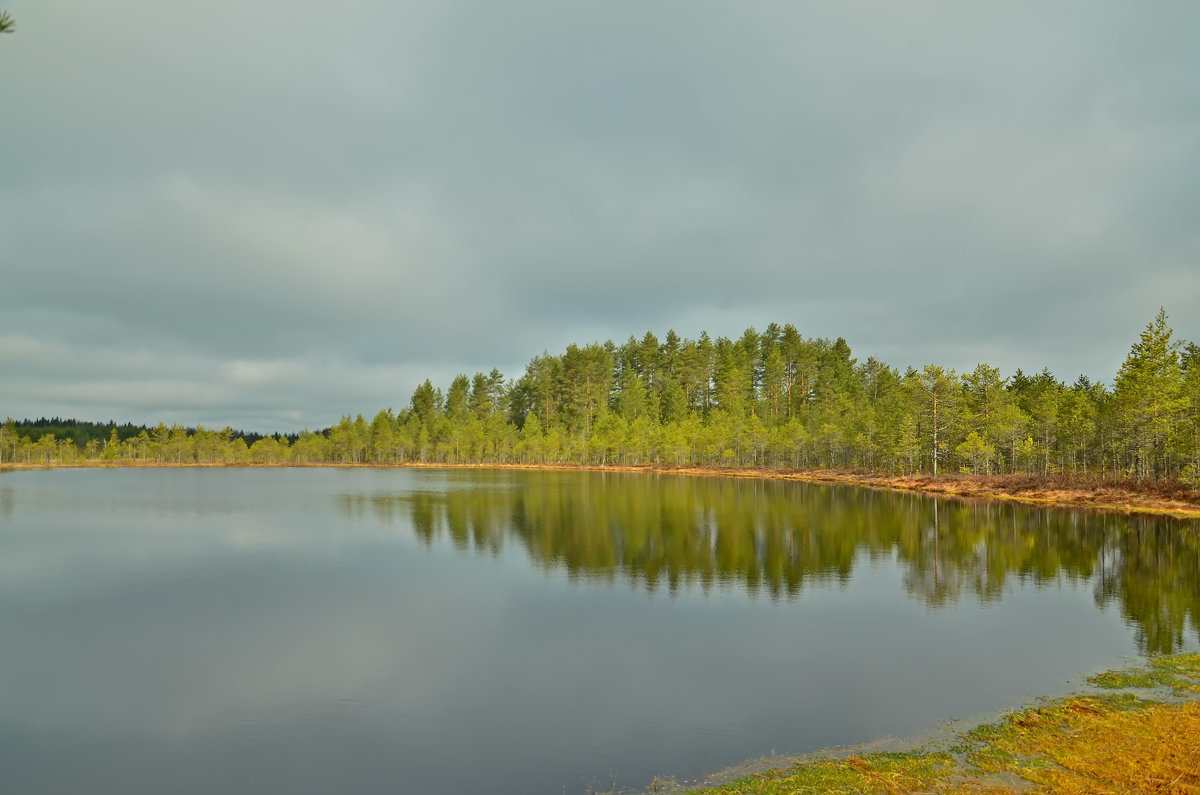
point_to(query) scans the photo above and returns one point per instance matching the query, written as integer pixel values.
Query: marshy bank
(1137, 731)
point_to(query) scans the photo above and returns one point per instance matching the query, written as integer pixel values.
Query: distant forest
(771, 399)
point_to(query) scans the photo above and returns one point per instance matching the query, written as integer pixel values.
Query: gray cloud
(270, 214)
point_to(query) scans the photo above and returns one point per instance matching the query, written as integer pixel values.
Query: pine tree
(936, 392)
(1191, 393)
(1149, 394)
(984, 391)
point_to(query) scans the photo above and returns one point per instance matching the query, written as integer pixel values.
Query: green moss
(1179, 672)
(875, 772)
(1184, 668)
(1112, 740)
(1128, 678)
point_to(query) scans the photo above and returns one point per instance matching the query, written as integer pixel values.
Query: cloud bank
(270, 214)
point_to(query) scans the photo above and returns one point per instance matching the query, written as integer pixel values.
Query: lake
(447, 631)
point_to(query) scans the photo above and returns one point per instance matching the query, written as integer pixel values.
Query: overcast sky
(269, 214)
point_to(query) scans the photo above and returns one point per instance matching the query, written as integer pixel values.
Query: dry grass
(1085, 745)
(1128, 496)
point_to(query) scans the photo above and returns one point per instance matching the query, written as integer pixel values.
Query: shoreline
(1133, 730)
(1108, 496)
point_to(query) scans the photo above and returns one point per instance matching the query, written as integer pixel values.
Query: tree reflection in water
(772, 537)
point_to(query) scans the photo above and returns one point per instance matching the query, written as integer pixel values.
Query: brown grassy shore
(1166, 498)
(1137, 730)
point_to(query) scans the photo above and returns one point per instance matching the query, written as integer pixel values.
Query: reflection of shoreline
(1124, 497)
(774, 538)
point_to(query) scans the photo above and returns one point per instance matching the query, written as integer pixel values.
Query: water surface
(361, 631)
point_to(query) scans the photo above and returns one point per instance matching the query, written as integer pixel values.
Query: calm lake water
(421, 631)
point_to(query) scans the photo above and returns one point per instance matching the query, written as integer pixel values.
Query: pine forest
(771, 399)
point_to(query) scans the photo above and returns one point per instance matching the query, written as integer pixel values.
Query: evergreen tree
(1190, 361)
(936, 393)
(983, 389)
(8, 440)
(426, 405)
(381, 447)
(1150, 398)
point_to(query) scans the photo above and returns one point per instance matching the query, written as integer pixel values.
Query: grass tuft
(1180, 673)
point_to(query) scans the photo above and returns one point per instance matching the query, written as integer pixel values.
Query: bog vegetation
(1116, 742)
(771, 399)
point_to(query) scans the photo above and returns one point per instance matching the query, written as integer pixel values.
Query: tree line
(771, 399)
(57, 440)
